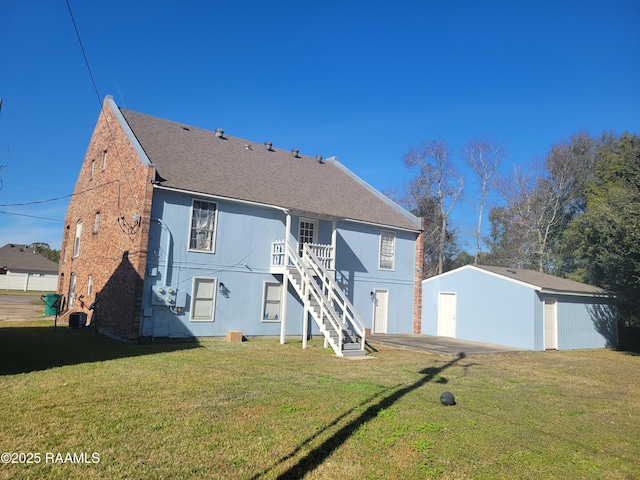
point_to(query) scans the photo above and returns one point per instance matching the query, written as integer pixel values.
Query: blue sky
(359, 80)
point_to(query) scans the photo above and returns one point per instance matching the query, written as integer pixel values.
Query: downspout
(165, 275)
(334, 235)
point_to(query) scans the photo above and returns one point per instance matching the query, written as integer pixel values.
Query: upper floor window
(63, 254)
(93, 168)
(96, 223)
(76, 243)
(203, 221)
(387, 250)
(104, 160)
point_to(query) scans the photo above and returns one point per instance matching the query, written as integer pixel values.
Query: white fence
(28, 282)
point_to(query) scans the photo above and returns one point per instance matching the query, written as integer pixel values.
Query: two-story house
(179, 231)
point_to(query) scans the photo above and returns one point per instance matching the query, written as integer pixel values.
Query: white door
(307, 232)
(550, 316)
(447, 315)
(380, 310)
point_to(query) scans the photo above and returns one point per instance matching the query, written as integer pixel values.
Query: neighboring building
(23, 268)
(180, 232)
(518, 308)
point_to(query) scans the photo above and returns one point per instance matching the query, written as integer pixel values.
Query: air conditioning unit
(77, 320)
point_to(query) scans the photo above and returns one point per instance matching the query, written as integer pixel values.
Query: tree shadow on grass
(28, 349)
(318, 455)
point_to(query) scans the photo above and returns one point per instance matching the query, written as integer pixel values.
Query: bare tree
(438, 181)
(483, 156)
(540, 205)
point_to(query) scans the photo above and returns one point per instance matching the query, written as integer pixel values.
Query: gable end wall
(115, 255)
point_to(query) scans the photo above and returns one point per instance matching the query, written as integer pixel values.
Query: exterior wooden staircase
(327, 304)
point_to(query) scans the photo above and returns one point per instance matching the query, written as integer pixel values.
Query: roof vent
(295, 152)
(319, 158)
(268, 145)
(219, 132)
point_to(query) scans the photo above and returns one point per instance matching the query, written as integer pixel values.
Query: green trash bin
(50, 301)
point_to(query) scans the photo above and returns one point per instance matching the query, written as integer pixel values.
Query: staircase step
(354, 353)
(322, 312)
(346, 333)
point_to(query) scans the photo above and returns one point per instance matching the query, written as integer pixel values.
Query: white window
(96, 223)
(104, 160)
(93, 168)
(203, 299)
(271, 302)
(90, 286)
(387, 250)
(203, 221)
(72, 290)
(76, 243)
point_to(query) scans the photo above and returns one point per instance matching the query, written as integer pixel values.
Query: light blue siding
(493, 309)
(241, 261)
(357, 258)
(488, 309)
(585, 323)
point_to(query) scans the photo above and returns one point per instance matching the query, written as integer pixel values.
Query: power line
(86, 60)
(36, 202)
(30, 216)
(95, 88)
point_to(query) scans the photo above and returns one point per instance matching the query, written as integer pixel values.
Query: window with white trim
(90, 286)
(104, 160)
(387, 250)
(203, 299)
(96, 223)
(203, 221)
(76, 242)
(271, 302)
(72, 290)
(93, 168)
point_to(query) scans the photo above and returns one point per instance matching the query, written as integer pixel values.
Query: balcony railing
(324, 254)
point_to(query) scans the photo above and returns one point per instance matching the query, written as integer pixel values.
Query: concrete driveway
(21, 307)
(439, 345)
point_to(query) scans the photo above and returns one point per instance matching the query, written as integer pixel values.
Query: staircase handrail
(322, 300)
(335, 293)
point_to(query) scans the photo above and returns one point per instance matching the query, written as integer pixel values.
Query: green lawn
(262, 410)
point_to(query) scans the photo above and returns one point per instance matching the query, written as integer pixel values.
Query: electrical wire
(30, 216)
(36, 202)
(95, 88)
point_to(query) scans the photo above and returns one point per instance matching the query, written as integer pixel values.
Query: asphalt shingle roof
(22, 257)
(546, 282)
(194, 159)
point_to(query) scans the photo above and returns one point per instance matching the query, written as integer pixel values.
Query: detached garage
(22, 268)
(518, 308)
